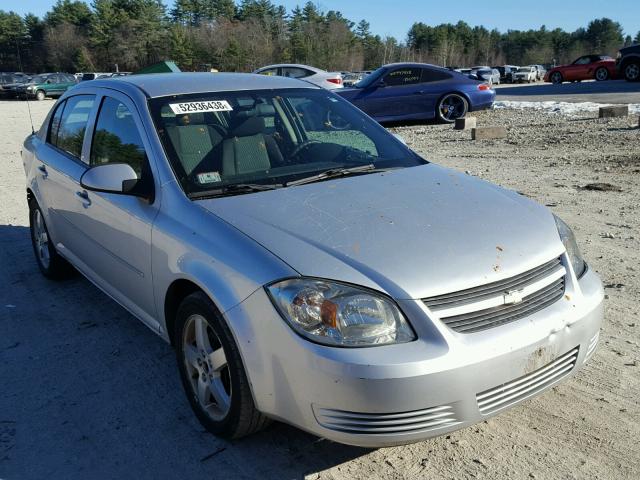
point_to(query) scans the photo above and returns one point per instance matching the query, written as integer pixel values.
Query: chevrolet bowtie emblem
(512, 296)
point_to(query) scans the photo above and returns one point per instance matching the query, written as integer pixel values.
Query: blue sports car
(417, 91)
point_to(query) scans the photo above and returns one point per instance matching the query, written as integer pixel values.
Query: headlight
(573, 252)
(31, 88)
(339, 315)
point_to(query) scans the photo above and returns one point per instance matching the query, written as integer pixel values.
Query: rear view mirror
(117, 178)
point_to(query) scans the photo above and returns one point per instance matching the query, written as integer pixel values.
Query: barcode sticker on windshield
(209, 177)
(200, 107)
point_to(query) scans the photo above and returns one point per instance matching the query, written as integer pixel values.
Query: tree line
(240, 36)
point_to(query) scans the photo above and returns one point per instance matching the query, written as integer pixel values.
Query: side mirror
(380, 84)
(118, 178)
(48, 81)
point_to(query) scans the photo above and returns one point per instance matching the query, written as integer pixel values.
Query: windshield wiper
(236, 188)
(332, 173)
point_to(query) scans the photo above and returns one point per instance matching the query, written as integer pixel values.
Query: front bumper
(398, 394)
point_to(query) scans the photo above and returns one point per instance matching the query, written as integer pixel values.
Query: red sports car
(600, 67)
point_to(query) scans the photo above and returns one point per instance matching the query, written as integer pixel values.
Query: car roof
(165, 84)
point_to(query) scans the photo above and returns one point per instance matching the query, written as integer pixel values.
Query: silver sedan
(306, 265)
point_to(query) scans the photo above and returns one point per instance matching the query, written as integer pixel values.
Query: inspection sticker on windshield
(200, 107)
(209, 177)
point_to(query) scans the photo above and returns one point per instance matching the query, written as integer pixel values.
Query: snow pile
(564, 108)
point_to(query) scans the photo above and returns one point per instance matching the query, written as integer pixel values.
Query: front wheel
(450, 107)
(602, 74)
(556, 77)
(632, 71)
(211, 370)
(40, 95)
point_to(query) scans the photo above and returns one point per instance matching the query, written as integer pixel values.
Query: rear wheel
(556, 77)
(602, 74)
(450, 107)
(212, 373)
(40, 95)
(632, 71)
(51, 264)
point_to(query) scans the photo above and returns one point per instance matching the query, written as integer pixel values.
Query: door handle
(84, 196)
(43, 170)
(419, 92)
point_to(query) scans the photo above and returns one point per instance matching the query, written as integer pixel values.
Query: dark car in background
(418, 91)
(46, 85)
(628, 63)
(587, 67)
(9, 82)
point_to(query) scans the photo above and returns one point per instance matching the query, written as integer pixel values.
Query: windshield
(371, 78)
(524, 69)
(269, 137)
(39, 79)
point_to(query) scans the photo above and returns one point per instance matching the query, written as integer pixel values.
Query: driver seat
(248, 149)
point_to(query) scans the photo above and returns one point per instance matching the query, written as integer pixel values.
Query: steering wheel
(341, 124)
(302, 146)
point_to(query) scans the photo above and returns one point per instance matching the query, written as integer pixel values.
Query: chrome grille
(386, 423)
(500, 397)
(489, 306)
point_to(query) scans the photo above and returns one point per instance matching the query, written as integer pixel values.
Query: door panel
(116, 229)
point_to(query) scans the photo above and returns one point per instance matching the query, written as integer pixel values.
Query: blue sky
(396, 16)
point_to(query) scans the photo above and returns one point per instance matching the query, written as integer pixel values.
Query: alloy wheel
(632, 71)
(41, 239)
(206, 365)
(602, 74)
(556, 77)
(452, 106)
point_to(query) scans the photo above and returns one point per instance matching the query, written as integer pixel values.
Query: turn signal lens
(336, 314)
(484, 86)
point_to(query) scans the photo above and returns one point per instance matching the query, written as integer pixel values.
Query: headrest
(265, 110)
(245, 127)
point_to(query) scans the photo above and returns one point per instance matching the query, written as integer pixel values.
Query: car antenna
(33, 131)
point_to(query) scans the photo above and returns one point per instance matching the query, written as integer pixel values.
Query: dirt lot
(86, 391)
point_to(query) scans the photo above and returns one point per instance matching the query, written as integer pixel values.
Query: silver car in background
(306, 265)
(317, 76)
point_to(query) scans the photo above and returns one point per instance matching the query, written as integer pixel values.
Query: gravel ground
(88, 392)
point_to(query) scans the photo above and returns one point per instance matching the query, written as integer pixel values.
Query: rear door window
(403, 76)
(73, 124)
(116, 138)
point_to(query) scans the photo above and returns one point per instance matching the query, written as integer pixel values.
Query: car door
(116, 229)
(396, 95)
(577, 70)
(60, 164)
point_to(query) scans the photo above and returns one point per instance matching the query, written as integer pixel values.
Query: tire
(556, 78)
(450, 107)
(601, 74)
(211, 371)
(40, 95)
(50, 263)
(631, 71)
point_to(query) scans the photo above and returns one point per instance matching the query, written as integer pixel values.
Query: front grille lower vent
(386, 423)
(505, 395)
(497, 303)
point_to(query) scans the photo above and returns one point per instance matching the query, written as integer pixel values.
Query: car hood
(413, 232)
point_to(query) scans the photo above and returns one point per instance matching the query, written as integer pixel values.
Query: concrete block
(614, 111)
(488, 133)
(465, 123)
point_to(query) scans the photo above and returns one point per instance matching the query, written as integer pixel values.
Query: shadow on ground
(89, 392)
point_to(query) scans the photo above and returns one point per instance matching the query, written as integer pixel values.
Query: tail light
(484, 86)
(337, 80)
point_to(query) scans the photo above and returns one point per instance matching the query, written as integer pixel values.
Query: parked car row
(317, 76)
(504, 74)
